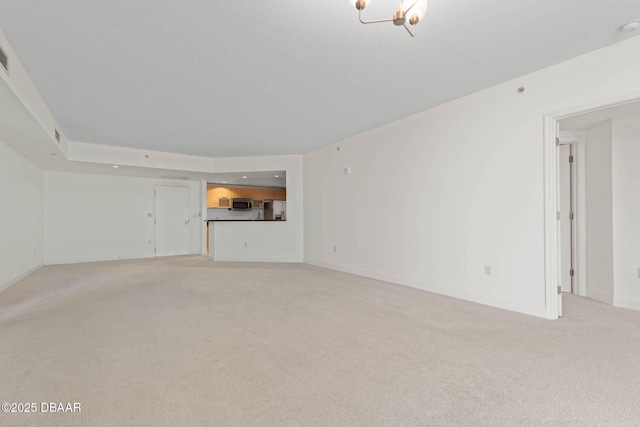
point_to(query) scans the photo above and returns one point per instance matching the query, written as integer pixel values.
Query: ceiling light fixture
(277, 176)
(409, 11)
(116, 166)
(244, 177)
(630, 26)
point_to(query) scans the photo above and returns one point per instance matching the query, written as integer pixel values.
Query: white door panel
(173, 226)
(565, 222)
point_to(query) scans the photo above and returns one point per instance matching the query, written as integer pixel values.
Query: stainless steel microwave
(241, 204)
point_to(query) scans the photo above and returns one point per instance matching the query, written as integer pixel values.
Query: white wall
(21, 216)
(99, 217)
(626, 211)
(435, 197)
(266, 241)
(599, 212)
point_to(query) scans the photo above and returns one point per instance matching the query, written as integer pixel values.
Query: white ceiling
(236, 78)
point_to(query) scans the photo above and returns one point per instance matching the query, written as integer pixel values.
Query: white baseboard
(477, 297)
(4, 285)
(256, 259)
(81, 260)
(630, 303)
(232, 259)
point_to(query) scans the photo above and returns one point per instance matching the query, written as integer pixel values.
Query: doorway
(567, 185)
(172, 224)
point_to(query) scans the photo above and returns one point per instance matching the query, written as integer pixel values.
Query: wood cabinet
(275, 194)
(224, 193)
(234, 193)
(220, 197)
(215, 194)
(244, 193)
(211, 202)
(257, 194)
(224, 201)
(266, 194)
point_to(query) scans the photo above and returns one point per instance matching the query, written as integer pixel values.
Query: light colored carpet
(187, 342)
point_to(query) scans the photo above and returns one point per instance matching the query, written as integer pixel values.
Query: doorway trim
(551, 135)
(579, 193)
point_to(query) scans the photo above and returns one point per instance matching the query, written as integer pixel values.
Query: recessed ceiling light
(277, 176)
(244, 177)
(116, 166)
(630, 26)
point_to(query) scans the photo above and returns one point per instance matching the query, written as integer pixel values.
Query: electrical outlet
(487, 270)
(245, 244)
(334, 249)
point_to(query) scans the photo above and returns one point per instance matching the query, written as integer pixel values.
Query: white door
(173, 227)
(566, 217)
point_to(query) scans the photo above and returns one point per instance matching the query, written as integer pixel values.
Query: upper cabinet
(275, 194)
(211, 197)
(220, 197)
(243, 193)
(258, 194)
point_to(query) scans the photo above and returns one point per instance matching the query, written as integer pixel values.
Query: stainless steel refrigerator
(275, 210)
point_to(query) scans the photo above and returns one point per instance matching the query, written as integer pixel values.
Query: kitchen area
(245, 203)
(245, 197)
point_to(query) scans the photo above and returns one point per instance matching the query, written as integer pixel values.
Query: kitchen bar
(242, 204)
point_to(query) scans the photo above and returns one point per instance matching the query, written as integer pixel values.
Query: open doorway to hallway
(598, 208)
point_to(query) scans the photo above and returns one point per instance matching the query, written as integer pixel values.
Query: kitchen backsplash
(225, 213)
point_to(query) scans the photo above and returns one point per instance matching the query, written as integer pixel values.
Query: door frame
(551, 135)
(204, 224)
(579, 194)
